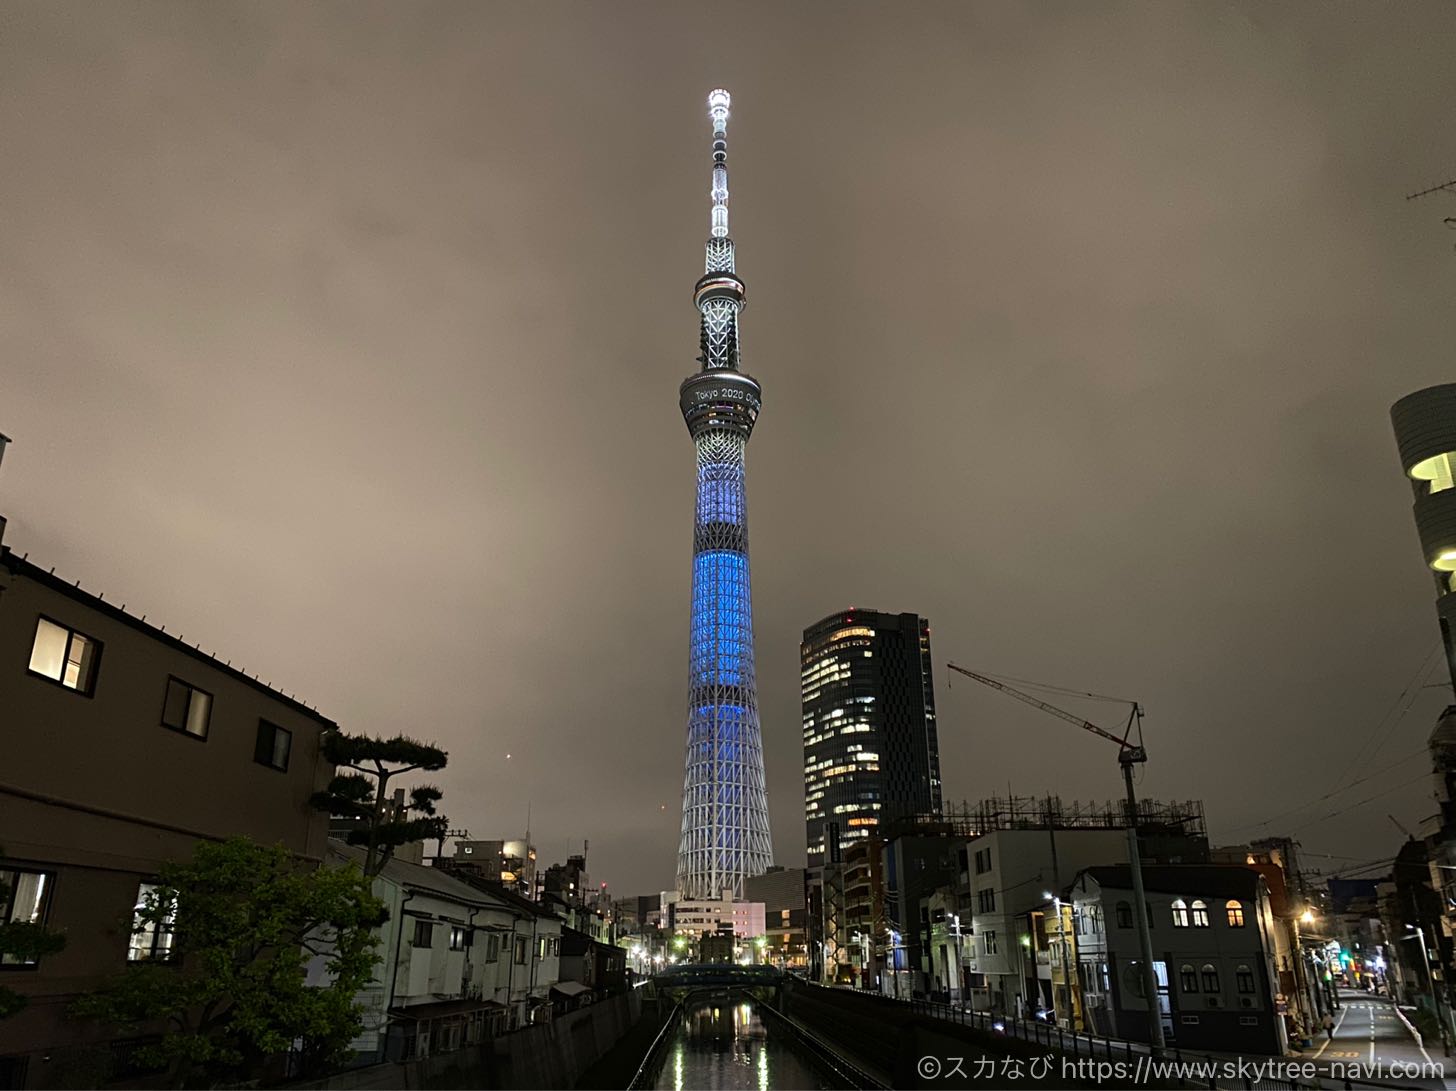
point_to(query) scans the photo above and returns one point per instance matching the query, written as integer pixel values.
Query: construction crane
(1128, 755)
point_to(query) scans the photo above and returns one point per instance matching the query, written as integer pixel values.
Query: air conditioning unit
(1246, 1001)
(1213, 1002)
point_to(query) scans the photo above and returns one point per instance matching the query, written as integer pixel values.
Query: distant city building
(725, 831)
(870, 748)
(510, 861)
(782, 892)
(700, 916)
(124, 747)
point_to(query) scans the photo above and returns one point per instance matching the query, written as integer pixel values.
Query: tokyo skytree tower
(725, 835)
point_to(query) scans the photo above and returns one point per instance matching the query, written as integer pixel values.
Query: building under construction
(1171, 831)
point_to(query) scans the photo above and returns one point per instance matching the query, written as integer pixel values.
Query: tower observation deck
(725, 834)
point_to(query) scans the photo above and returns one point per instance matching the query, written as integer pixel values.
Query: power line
(1408, 695)
(1335, 792)
(1352, 806)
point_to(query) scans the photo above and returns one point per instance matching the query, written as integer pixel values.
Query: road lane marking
(1372, 1034)
(1331, 1037)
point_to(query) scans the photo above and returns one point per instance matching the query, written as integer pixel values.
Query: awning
(569, 988)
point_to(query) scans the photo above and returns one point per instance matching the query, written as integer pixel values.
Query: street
(1370, 1034)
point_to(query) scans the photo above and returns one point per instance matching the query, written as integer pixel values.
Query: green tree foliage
(24, 941)
(246, 921)
(363, 796)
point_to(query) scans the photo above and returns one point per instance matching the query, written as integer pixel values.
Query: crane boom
(1130, 752)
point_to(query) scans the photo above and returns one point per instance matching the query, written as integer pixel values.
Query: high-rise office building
(725, 834)
(870, 749)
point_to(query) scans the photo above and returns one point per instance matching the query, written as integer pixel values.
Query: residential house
(1212, 929)
(125, 745)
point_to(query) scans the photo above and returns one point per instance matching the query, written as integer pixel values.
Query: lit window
(1235, 914)
(152, 921)
(186, 708)
(65, 656)
(1200, 914)
(23, 900)
(273, 746)
(457, 938)
(1180, 914)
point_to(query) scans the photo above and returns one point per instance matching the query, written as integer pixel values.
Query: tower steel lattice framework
(725, 834)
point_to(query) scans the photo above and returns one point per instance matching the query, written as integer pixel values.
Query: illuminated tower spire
(725, 835)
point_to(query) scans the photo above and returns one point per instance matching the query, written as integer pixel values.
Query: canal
(727, 1043)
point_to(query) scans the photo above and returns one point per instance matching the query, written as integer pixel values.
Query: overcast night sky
(346, 338)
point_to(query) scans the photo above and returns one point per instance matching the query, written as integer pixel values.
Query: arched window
(1245, 978)
(1180, 913)
(1187, 978)
(1235, 914)
(1200, 914)
(1124, 915)
(1210, 978)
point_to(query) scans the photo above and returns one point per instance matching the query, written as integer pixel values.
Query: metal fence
(1135, 1056)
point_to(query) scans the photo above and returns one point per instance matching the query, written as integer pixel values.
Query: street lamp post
(1431, 981)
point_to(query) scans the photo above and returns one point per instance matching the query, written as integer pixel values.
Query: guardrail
(1136, 1056)
(648, 1068)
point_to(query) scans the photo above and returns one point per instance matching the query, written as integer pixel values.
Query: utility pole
(1130, 754)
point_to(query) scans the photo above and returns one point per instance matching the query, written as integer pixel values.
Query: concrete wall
(551, 1055)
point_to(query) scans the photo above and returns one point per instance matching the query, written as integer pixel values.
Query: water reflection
(724, 1044)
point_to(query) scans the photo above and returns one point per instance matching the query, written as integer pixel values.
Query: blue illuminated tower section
(725, 835)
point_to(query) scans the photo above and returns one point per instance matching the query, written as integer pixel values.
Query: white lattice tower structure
(725, 835)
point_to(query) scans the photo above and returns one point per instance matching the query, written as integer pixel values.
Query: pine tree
(362, 795)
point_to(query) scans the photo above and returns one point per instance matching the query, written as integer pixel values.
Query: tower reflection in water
(724, 1044)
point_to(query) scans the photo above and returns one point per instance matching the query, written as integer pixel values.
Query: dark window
(520, 951)
(986, 901)
(1124, 915)
(1245, 979)
(988, 943)
(983, 861)
(273, 745)
(126, 1062)
(65, 656)
(457, 938)
(152, 921)
(1210, 978)
(1187, 979)
(186, 708)
(424, 934)
(24, 899)
(492, 948)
